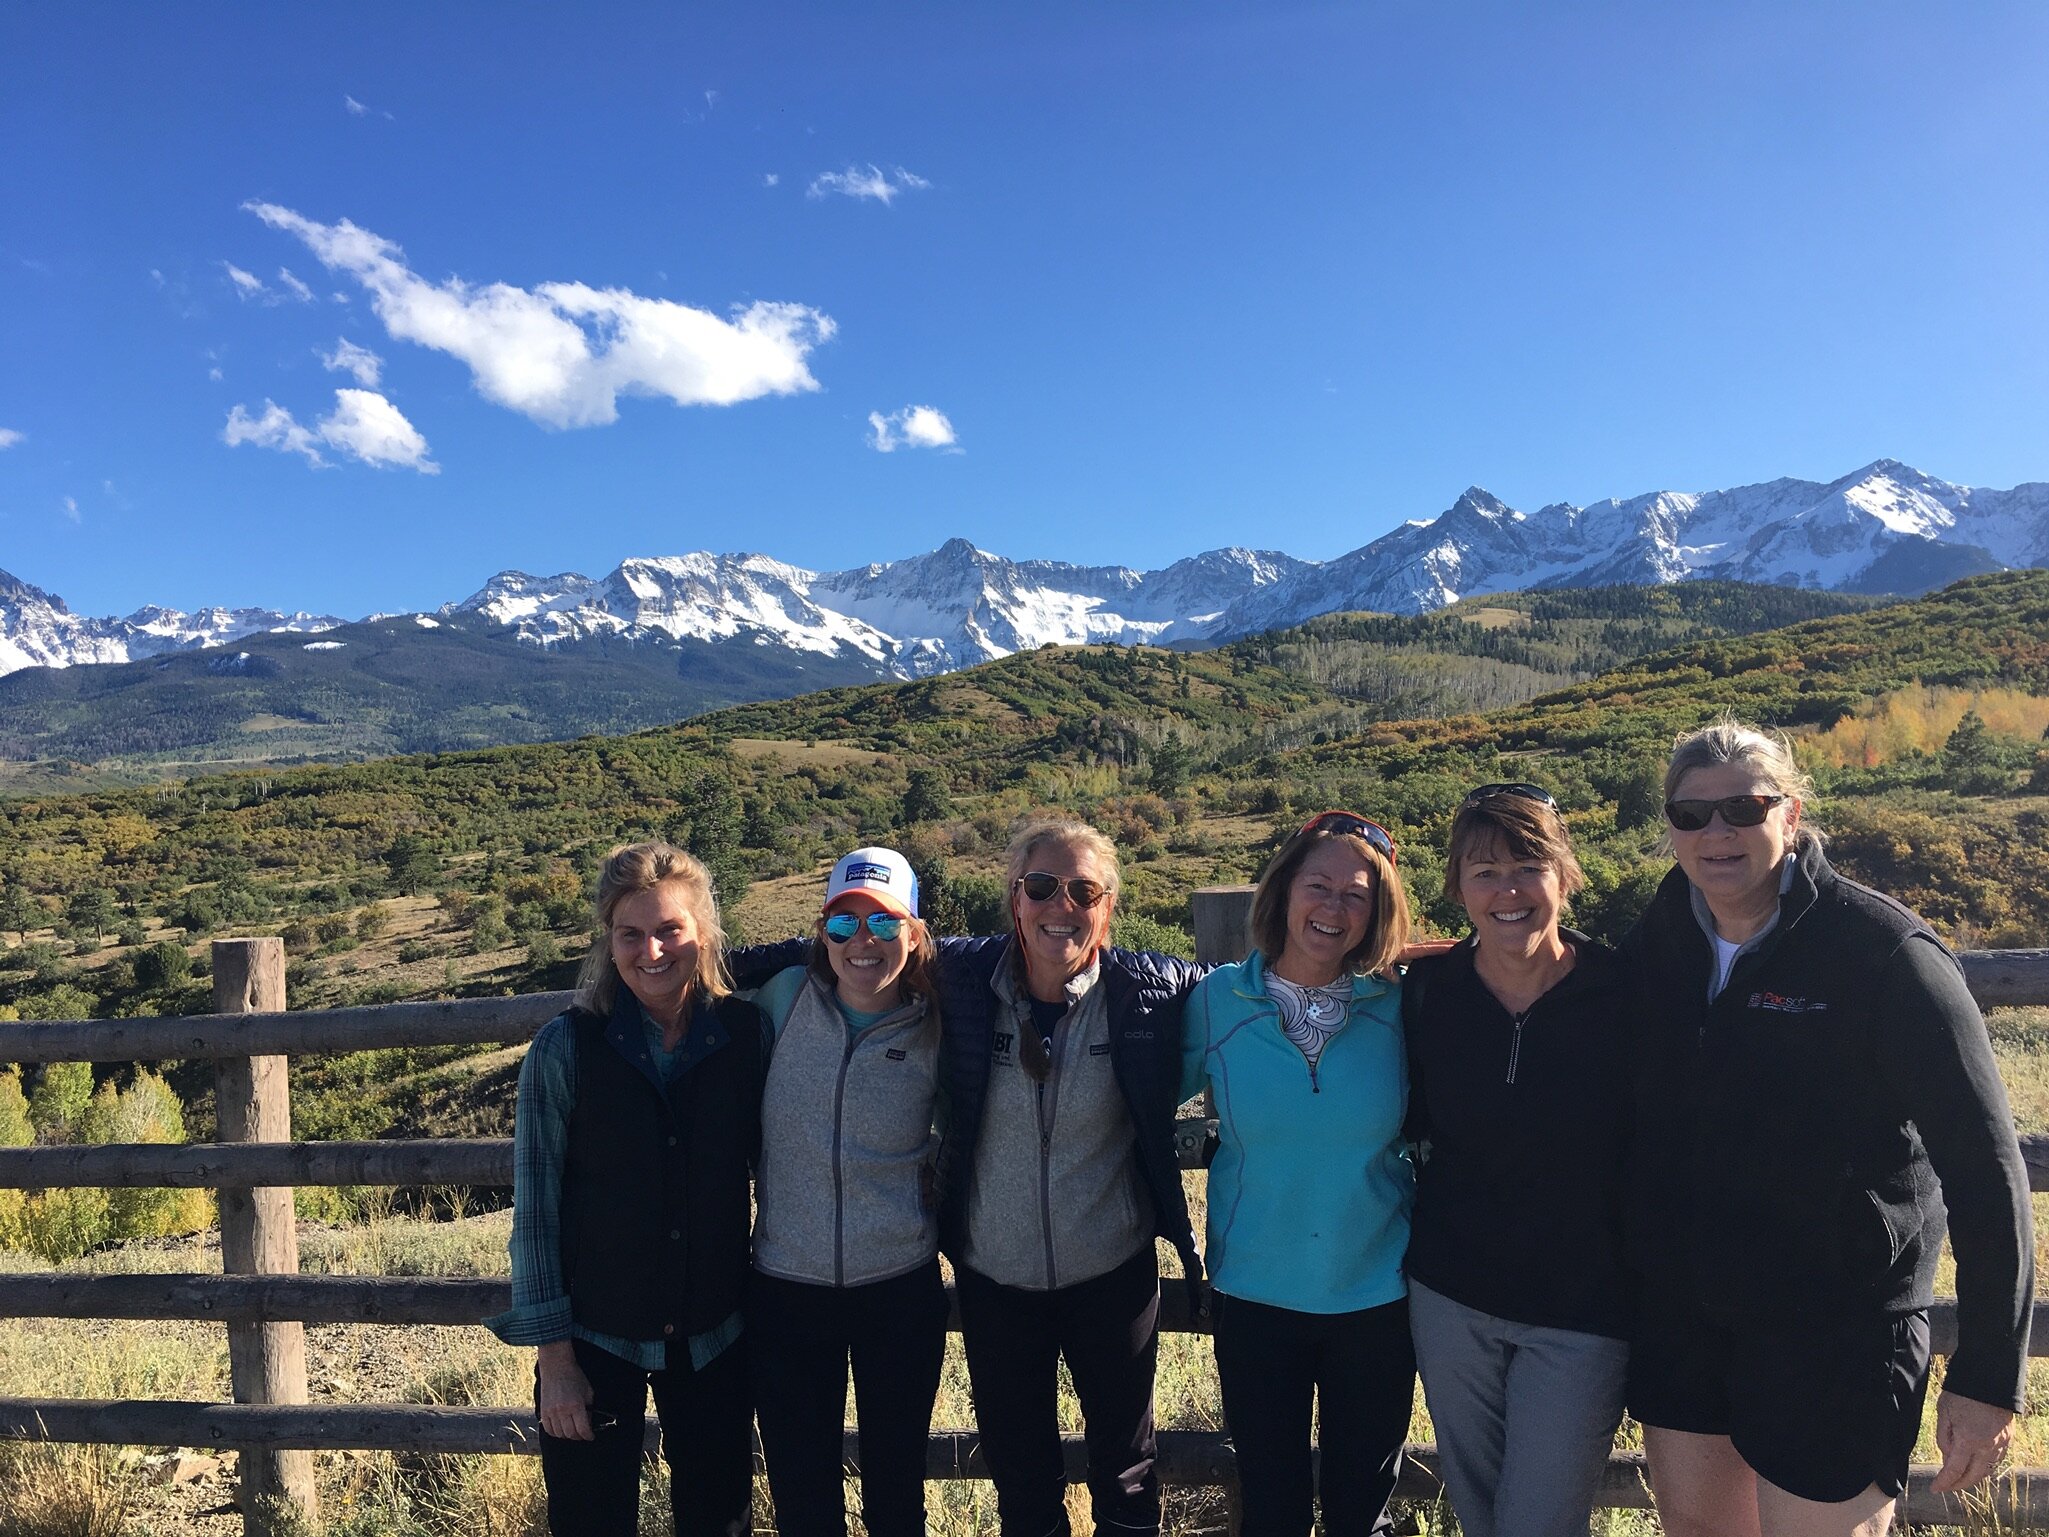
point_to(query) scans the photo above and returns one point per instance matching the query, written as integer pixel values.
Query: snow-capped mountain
(1885, 528)
(38, 630)
(928, 613)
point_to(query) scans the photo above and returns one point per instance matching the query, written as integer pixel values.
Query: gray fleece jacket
(1055, 1196)
(843, 1189)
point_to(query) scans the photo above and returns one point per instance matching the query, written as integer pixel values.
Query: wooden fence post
(259, 1232)
(1222, 916)
(1223, 923)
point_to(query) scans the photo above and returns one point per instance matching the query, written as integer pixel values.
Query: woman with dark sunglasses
(1814, 1087)
(1056, 1175)
(845, 1235)
(1301, 1048)
(1518, 1045)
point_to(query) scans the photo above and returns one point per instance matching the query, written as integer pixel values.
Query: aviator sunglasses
(1737, 811)
(841, 927)
(1351, 825)
(1081, 891)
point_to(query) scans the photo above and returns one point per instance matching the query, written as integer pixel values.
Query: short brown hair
(1527, 827)
(1385, 935)
(637, 867)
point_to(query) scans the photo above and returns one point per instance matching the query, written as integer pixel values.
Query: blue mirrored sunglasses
(841, 927)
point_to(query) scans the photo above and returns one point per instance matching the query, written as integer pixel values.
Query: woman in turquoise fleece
(1301, 1049)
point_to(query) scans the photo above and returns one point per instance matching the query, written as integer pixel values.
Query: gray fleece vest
(843, 1187)
(1055, 1197)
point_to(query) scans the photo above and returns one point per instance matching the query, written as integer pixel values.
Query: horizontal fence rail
(1997, 979)
(322, 1299)
(477, 1162)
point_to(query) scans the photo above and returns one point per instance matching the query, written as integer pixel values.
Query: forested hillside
(463, 872)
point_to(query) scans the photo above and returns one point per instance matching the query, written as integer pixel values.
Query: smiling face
(1330, 913)
(1514, 904)
(654, 944)
(1736, 868)
(1059, 938)
(865, 969)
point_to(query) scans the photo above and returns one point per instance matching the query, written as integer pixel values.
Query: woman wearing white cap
(846, 1238)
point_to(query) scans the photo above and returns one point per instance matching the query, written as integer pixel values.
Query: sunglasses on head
(1520, 789)
(1737, 811)
(1351, 825)
(841, 927)
(1081, 891)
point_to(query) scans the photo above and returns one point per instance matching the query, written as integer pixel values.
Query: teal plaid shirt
(540, 1314)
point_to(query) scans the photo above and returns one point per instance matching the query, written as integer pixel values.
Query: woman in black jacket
(1518, 1043)
(1814, 1087)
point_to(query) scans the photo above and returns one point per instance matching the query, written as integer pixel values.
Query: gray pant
(1525, 1417)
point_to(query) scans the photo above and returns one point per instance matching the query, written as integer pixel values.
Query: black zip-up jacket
(1519, 1202)
(1144, 993)
(1798, 1138)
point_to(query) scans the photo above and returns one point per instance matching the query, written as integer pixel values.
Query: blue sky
(1171, 276)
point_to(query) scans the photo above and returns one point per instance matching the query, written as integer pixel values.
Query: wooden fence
(265, 1303)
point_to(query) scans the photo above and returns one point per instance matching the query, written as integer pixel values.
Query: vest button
(675, 1232)
(672, 1142)
(668, 1328)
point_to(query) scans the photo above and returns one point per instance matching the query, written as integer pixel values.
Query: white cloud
(356, 108)
(215, 374)
(274, 429)
(363, 425)
(293, 286)
(770, 178)
(9, 436)
(367, 426)
(869, 181)
(563, 353)
(71, 509)
(247, 284)
(348, 358)
(912, 427)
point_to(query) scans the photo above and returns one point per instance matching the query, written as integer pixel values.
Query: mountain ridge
(1886, 527)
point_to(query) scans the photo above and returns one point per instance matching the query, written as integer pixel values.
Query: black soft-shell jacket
(1798, 1138)
(1519, 1201)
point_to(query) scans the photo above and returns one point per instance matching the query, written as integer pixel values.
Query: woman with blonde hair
(638, 1115)
(1056, 1174)
(1300, 1046)
(1814, 1088)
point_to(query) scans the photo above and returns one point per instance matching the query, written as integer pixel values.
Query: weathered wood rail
(266, 1303)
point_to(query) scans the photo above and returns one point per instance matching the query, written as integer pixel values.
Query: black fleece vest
(655, 1184)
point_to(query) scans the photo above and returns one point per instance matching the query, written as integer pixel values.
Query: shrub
(59, 1098)
(165, 965)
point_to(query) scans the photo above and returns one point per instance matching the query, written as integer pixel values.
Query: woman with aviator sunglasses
(1309, 1192)
(1814, 1087)
(1518, 1046)
(1056, 1174)
(845, 1236)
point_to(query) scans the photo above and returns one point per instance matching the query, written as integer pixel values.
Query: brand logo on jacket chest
(1780, 1003)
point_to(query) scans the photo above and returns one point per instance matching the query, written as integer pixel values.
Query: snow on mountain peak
(1886, 526)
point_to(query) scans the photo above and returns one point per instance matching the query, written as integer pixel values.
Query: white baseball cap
(883, 874)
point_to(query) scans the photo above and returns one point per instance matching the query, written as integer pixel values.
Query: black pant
(803, 1336)
(1360, 1368)
(707, 1436)
(1109, 1330)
